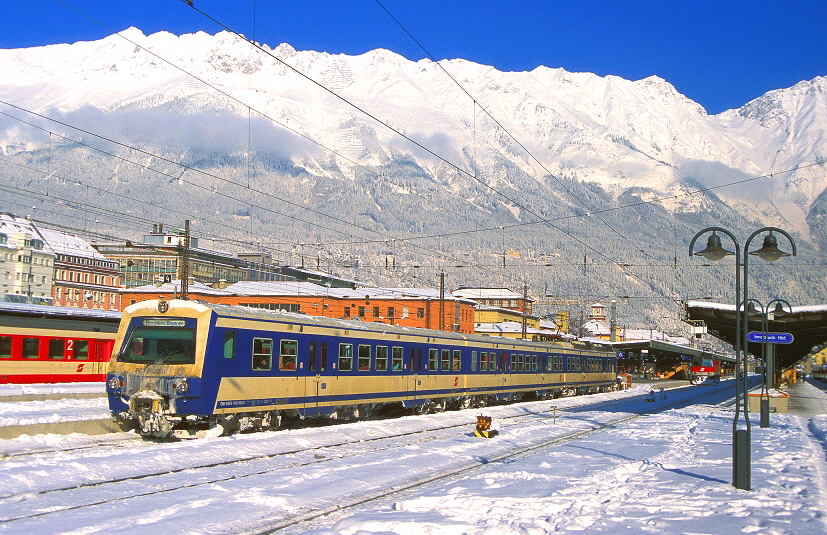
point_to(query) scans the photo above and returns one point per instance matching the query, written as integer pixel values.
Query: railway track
(81, 497)
(344, 509)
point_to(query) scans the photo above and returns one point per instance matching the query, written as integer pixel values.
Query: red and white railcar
(48, 344)
(704, 367)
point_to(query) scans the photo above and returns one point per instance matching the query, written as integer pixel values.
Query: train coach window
(483, 361)
(396, 359)
(323, 357)
(81, 349)
(289, 353)
(311, 357)
(432, 359)
(445, 365)
(381, 358)
(456, 361)
(262, 354)
(473, 361)
(345, 357)
(229, 344)
(5, 347)
(363, 362)
(31, 348)
(56, 348)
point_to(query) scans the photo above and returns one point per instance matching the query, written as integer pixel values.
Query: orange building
(409, 307)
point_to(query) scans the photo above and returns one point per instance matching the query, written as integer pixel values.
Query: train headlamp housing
(181, 386)
(115, 383)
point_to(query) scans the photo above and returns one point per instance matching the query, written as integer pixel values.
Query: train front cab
(155, 375)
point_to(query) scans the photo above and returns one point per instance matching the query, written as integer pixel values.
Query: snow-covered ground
(45, 411)
(56, 388)
(53, 411)
(666, 469)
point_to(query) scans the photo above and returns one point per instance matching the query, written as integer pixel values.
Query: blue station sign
(770, 338)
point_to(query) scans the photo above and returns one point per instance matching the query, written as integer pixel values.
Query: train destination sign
(770, 338)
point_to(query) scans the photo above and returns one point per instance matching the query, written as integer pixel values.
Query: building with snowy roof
(409, 307)
(496, 297)
(83, 277)
(26, 262)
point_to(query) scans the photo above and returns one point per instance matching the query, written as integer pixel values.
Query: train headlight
(181, 386)
(115, 383)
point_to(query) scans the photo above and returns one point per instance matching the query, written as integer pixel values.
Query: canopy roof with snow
(807, 324)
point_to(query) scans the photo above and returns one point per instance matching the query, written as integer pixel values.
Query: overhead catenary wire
(402, 240)
(185, 167)
(499, 125)
(234, 99)
(133, 219)
(401, 134)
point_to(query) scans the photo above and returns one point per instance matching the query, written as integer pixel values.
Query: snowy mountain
(578, 142)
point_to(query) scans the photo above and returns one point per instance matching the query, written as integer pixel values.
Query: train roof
(365, 326)
(25, 309)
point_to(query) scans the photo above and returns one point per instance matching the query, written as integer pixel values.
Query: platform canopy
(807, 325)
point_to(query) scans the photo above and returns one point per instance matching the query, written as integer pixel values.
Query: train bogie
(189, 369)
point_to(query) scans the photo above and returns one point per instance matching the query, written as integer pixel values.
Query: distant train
(704, 367)
(48, 344)
(187, 369)
(820, 373)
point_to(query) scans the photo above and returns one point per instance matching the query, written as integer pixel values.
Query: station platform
(808, 398)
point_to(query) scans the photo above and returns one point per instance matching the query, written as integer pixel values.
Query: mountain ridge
(593, 143)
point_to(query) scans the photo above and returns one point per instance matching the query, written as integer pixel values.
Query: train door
(315, 380)
(106, 348)
(502, 374)
(227, 360)
(100, 353)
(412, 373)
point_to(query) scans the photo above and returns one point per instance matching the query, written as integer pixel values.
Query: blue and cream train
(189, 369)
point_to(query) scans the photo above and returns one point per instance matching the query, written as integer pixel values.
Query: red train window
(5, 347)
(56, 348)
(31, 348)
(81, 349)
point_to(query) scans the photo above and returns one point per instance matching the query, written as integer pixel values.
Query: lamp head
(779, 309)
(713, 250)
(770, 251)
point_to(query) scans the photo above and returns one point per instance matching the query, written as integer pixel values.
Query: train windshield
(148, 345)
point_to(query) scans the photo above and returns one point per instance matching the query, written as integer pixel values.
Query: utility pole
(185, 262)
(441, 300)
(525, 305)
(613, 321)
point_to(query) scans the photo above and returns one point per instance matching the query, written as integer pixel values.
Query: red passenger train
(48, 344)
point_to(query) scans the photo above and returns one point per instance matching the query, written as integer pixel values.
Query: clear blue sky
(721, 53)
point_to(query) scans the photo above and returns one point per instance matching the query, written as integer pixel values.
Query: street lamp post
(768, 352)
(741, 433)
(771, 315)
(768, 252)
(767, 314)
